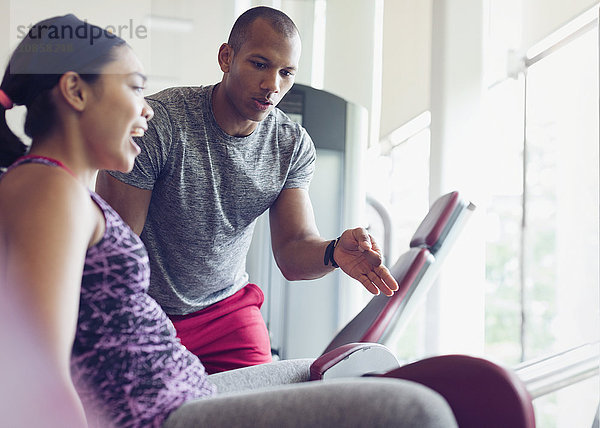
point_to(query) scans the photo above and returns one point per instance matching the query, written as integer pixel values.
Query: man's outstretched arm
(299, 249)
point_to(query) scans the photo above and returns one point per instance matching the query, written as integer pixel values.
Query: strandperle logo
(82, 31)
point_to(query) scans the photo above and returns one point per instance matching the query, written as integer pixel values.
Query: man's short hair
(278, 20)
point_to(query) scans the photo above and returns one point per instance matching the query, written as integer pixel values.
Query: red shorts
(229, 334)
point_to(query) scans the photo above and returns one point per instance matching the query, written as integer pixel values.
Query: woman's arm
(48, 222)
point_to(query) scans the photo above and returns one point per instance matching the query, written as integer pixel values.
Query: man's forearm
(303, 259)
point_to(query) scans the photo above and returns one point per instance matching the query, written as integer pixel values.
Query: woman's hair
(50, 49)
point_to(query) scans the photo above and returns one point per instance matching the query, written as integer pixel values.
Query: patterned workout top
(127, 365)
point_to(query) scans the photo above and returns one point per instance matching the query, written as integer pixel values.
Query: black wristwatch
(328, 258)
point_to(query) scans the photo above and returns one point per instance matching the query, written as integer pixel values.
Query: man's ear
(225, 57)
(73, 90)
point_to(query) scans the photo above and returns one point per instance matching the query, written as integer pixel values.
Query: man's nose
(272, 82)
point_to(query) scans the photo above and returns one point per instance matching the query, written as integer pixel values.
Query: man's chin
(260, 116)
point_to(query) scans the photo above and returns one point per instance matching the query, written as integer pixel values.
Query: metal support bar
(546, 375)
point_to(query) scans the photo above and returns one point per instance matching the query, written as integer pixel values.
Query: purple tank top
(129, 368)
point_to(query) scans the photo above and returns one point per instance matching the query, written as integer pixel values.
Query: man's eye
(286, 73)
(260, 65)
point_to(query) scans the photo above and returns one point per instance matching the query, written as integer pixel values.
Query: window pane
(561, 208)
(561, 255)
(542, 256)
(504, 148)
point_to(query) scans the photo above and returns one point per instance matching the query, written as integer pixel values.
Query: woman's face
(116, 113)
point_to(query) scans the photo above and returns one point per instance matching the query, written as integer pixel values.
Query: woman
(77, 275)
(82, 113)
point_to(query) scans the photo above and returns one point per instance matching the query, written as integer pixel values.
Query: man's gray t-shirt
(208, 188)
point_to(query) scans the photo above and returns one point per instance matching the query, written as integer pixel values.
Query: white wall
(353, 55)
(4, 34)
(377, 53)
(185, 42)
(406, 71)
(26, 12)
(542, 17)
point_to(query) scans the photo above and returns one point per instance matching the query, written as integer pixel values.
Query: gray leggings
(278, 395)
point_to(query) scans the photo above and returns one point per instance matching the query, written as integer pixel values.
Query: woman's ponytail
(11, 147)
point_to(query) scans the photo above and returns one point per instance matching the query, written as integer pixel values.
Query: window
(542, 252)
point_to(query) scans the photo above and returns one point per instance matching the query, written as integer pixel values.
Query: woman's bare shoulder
(36, 194)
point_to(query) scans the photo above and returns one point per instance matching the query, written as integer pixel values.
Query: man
(213, 160)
